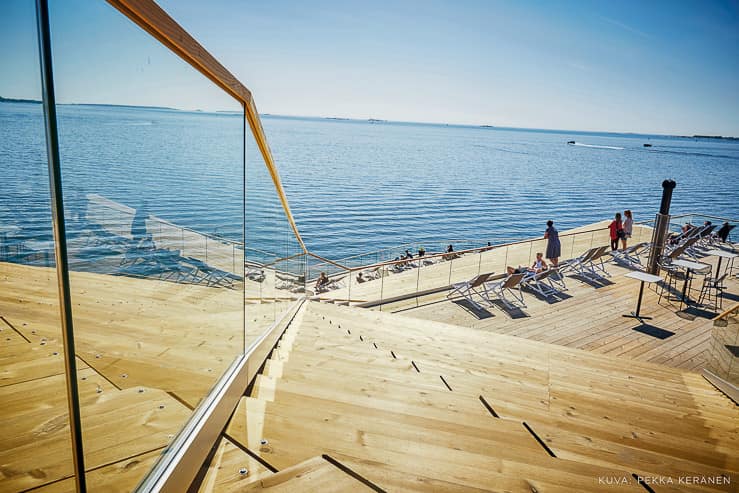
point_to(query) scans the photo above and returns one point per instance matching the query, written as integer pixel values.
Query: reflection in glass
(275, 261)
(154, 195)
(33, 399)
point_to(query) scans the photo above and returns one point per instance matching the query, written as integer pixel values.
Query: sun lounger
(467, 289)
(510, 285)
(597, 265)
(590, 264)
(630, 255)
(574, 264)
(541, 283)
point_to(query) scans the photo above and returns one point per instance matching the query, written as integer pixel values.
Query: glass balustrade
(153, 180)
(35, 443)
(275, 260)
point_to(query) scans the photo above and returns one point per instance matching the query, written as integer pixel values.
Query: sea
(353, 186)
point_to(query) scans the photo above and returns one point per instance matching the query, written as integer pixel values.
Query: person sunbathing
(539, 265)
(322, 282)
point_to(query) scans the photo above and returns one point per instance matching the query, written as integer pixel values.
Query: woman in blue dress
(554, 248)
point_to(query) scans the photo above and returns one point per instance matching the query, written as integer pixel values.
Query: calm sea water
(353, 186)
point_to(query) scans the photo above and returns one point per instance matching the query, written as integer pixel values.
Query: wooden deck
(147, 352)
(360, 398)
(590, 318)
(412, 405)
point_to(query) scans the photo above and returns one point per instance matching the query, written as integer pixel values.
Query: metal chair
(713, 289)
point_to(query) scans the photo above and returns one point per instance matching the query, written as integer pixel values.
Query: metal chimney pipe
(661, 226)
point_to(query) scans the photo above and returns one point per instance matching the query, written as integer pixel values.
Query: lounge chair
(589, 265)
(722, 235)
(467, 289)
(510, 284)
(597, 265)
(630, 256)
(685, 248)
(575, 264)
(541, 283)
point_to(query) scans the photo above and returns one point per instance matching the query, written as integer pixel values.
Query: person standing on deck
(554, 248)
(628, 228)
(616, 231)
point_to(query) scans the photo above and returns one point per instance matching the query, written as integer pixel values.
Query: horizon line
(382, 120)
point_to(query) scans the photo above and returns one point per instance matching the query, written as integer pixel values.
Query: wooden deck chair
(595, 267)
(630, 256)
(557, 278)
(467, 289)
(576, 264)
(541, 283)
(510, 284)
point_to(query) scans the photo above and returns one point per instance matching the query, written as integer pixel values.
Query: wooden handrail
(155, 21)
(727, 312)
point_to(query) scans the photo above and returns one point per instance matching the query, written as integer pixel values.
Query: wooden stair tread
(312, 475)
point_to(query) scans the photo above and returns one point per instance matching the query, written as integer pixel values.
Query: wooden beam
(155, 21)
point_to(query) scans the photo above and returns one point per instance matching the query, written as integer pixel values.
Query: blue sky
(653, 67)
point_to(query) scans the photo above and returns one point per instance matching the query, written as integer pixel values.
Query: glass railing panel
(722, 359)
(366, 284)
(582, 242)
(152, 157)
(493, 260)
(290, 284)
(465, 266)
(271, 246)
(35, 446)
(432, 272)
(602, 237)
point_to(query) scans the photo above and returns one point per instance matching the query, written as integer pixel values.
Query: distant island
(719, 137)
(12, 100)
(104, 105)
(376, 120)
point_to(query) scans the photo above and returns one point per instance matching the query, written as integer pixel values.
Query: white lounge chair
(510, 285)
(576, 265)
(467, 289)
(630, 256)
(541, 283)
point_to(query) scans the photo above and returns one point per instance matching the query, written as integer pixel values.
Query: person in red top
(617, 231)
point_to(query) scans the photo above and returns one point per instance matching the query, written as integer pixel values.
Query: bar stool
(713, 288)
(673, 276)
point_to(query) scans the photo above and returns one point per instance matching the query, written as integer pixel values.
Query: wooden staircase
(412, 405)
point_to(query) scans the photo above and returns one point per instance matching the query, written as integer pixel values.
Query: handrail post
(382, 286)
(418, 278)
(60, 242)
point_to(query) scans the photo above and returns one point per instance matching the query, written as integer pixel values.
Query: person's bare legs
(623, 243)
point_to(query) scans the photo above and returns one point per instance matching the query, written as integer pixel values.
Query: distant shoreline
(376, 121)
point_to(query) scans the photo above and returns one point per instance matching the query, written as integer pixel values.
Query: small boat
(570, 141)
(647, 145)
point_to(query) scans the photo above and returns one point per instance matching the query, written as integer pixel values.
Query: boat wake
(597, 147)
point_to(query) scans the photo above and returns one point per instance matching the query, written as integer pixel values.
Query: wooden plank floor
(416, 405)
(141, 344)
(590, 318)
